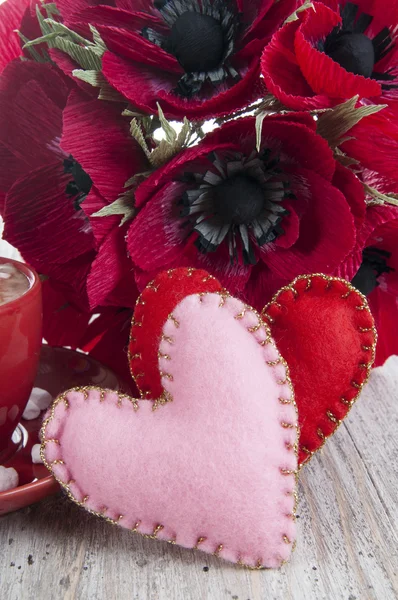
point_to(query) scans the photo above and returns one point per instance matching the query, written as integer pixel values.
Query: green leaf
(98, 41)
(136, 132)
(294, 16)
(336, 122)
(380, 198)
(41, 56)
(169, 131)
(122, 206)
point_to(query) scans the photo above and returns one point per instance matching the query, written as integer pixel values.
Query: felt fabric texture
(214, 467)
(155, 304)
(324, 329)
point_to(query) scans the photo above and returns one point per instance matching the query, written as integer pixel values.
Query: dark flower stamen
(197, 42)
(202, 38)
(354, 50)
(237, 200)
(80, 185)
(374, 264)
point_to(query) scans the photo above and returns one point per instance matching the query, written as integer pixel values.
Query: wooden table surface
(347, 547)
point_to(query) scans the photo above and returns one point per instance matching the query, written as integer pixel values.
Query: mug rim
(34, 280)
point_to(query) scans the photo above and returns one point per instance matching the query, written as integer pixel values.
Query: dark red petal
(68, 8)
(262, 286)
(185, 160)
(327, 232)
(270, 16)
(12, 169)
(376, 218)
(63, 323)
(101, 226)
(109, 269)
(156, 237)
(384, 307)
(11, 13)
(283, 76)
(67, 66)
(374, 143)
(119, 18)
(107, 340)
(324, 75)
(296, 143)
(348, 183)
(37, 204)
(32, 96)
(291, 228)
(134, 47)
(145, 86)
(97, 136)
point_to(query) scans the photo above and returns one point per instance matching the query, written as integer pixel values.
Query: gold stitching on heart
(350, 289)
(166, 397)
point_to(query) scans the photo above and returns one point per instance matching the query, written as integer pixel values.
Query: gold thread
(136, 356)
(58, 461)
(254, 328)
(332, 417)
(288, 425)
(172, 318)
(168, 339)
(218, 550)
(51, 440)
(163, 400)
(285, 400)
(165, 375)
(347, 295)
(165, 356)
(356, 385)
(200, 541)
(363, 307)
(273, 363)
(135, 528)
(85, 499)
(286, 539)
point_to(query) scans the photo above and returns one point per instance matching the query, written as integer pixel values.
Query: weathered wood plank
(347, 549)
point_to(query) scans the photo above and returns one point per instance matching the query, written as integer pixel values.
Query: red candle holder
(20, 343)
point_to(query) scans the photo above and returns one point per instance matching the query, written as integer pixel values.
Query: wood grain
(347, 548)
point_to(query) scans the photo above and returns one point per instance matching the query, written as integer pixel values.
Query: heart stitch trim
(358, 386)
(134, 323)
(254, 326)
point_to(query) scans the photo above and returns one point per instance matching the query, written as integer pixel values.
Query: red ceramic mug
(20, 344)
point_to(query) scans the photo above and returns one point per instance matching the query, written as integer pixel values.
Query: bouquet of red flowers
(257, 139)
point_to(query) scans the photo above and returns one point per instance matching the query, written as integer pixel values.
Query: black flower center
(197, 41)
(374, 264)
(238, 200)
(354, 52)
(80, 184)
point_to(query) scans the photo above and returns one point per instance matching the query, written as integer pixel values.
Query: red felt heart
(322, 326)
(325, 331)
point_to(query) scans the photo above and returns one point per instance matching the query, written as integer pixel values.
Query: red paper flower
(335, 51)
(197, 58)
(253, 219)
(11, 13)
(375, 260)
(65, 155)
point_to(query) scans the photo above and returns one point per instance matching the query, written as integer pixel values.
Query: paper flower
(198, 59)
(334, 51)
(253, 219)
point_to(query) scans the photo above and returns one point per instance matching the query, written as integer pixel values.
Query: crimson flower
(64, 156)
(197, 58)
(253, 219)
(335, 51)
(375, 260)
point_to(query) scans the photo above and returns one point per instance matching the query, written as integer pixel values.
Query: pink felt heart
(211, 464)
